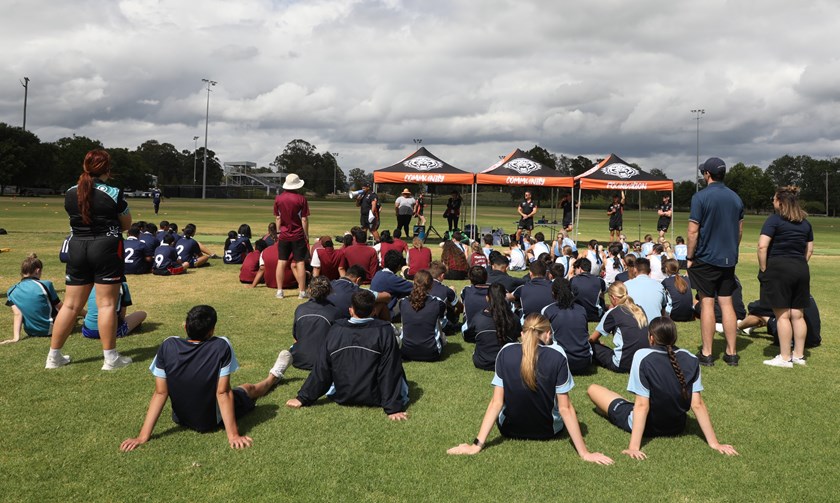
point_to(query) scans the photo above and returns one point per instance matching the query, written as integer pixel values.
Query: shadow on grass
(450, 349)
(415, 392)
(136, 354)
(261, 413)
(719, 344)
(145, 328)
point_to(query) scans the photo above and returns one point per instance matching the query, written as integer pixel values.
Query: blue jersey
(719, 212)
(150, 241)
(534, 295)
(628, 337)
(421, 335)
(134, 256)
(165, 257)
(37, 300)
(235, 254)
(188, 249)
(92, 316)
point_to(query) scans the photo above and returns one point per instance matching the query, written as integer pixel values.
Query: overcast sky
(472, 79)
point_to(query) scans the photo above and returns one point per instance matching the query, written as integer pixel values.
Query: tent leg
(640, 215)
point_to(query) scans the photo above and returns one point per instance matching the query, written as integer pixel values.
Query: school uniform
(166, 257)
(312, 322)
(422, 335)
(647, 293)
(418, 259)
(386, 281)
(528, 414)
(237, 250)
(361, 365)
(570, 331)
(679, 306)
(474, 298)
(37, 300)
(327, 259)
(188, 250)
(589, 290)
(509, 282)
(487, 344)
(653, 377)
(448, 296)
(250, 267)
(363, 255)
(148, 239)
(134, 256)
(192, 370)
(534, 295)
(628, 338)
(90, 327)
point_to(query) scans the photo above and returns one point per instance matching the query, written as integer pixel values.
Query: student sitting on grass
(680, 302)
(33, 300)
(422, 335)
(530, 387)
(447, 295)
(629, 326)
(196, 372)
(361, 364)
(666, 381)
(343, 289)
(125, 323)
(240, 247)
(386, 280)
(474, 299)
(569, 328)
(190, 252)
(494, 327)
(166, 258)
(313, 320)
(136, 254)
(251, 265)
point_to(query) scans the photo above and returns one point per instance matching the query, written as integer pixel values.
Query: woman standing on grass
(784, 248)
(530, 387)
(98, 215)
(666, 381)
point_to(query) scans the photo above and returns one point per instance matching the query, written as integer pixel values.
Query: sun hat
(293, 182)
(406, 192)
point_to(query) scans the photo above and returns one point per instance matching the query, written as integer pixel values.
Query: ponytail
(535, 324)
(29, 265)
(664, 332)
(619, 291)
(672, 268)
(672, 357)
(96, 163)
(420, 292)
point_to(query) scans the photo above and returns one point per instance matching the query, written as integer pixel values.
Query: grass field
(60, 430)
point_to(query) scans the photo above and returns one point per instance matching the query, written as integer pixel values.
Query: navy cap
(713, 166)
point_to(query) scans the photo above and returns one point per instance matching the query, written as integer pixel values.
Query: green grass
(59, 430)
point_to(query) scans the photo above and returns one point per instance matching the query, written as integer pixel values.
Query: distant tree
(787, 170)
(752, 184)
(69, 157)
(358, 177)
(166, 162)
(130, 170)
(683, 192)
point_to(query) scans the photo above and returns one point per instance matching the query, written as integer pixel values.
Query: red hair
(97, 163)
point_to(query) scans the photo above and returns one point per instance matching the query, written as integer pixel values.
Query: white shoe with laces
(798, 361)
(719, 328)
(279, 294)
(117, 363)
(779, 362)
(54, 363)
(284, 359)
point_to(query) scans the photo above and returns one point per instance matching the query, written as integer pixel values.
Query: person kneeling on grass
(666, 381)
(360, 365)
(531, 393)
(196, 372)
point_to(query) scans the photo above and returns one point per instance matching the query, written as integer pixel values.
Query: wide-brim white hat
(293, 182)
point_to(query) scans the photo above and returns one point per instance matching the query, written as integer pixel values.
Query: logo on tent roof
(620, 170)
(523, 166)
(423, 163)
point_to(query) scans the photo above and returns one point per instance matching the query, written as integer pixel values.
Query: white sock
(110, 354)
(55, 353)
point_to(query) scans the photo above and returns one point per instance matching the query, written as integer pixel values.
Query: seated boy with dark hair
(361, 364)
(196, 372)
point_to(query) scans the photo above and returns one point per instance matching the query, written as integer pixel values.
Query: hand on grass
(240, 442)
(468, 449)
(597, 457)
(294, 403)
(635, 454)
(130, 444)
(398, 416)
(725, 449)
(9, 341)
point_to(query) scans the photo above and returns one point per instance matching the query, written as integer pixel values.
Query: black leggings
(453, 221)
(403, 222)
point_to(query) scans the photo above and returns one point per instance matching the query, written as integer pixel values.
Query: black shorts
(603, 356)
(760, 309)
(616, 226)
(94, 260)
(297, 249)
(371, 226)
(619, 414)
(786, 283)
(567, 221)
(710, 280)
(663, 225)
(526, 224)
(242, 403)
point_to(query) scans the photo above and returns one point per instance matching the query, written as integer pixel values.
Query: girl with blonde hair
(531, 393)
(628, 325)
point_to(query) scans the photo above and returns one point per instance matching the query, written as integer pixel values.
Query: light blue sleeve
(600, 327)
(669, 303)
(565, 382)
(233, 365)
(155, 370)
(634, 384)
(698, 384)
(497, 381)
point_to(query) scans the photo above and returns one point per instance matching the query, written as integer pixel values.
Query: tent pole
(672, 214)
(640, 215)
(577, 225)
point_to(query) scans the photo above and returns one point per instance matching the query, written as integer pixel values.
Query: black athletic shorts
(526, 223)
(297, 249)
(96, 259)
(758, 308)
(663, 224)
(711, 280)
(371, 226)
(786, 283)
(242, 403)
(616, 225)
(619, 414)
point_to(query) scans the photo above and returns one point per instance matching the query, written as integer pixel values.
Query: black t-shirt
(534, 295)
(474, 298)
(106, 205)
(421, 334)
(368, 201)
(454, 206)
(570, 330)
(788, 239)
(527, 208)
(192, 371)
(617, 217)
(588, 290)
(566, 205)
(312, 322)
(342, 292)
(487, 340)
(134, 256)
(664, 219)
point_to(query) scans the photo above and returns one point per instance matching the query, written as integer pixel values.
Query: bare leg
(261, 388)
(751, 321)
(299, 270)
(280, 275)
(106, 303)
(134, 320)
(730, 322)
(707, 323)
(785, 331)
(75, 299)
(601, 397)
(800, 331)
(200, 261)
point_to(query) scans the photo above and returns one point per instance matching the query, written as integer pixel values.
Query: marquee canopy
(518, 169)
(614, 173)
(423, 167)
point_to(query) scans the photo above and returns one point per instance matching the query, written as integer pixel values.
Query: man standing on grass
(368, 203)
(715, 225)
(291, 214)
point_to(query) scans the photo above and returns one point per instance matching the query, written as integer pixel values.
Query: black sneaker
(731, 360)
(707, 361)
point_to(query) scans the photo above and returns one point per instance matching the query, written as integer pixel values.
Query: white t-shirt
(405, 205)
(517, 260)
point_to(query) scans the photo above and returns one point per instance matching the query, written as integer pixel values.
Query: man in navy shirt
(616, 214)
(534, 295)
(527, 209)
(343, 289)
(195, 373)
(715, 225)
(498, 273)
(386, 280)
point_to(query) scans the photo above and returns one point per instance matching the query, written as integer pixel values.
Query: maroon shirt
(419, 259)
(329, 262)
(250, 267)
(398, 245)
(363, 255)
(290, 207)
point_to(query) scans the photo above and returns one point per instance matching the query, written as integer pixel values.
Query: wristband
(478, 443)
(689, 258)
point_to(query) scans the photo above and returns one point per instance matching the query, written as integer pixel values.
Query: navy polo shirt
(570, 330)
(588, 290)
(628, 338)
(534, 295)
(342, 292)
(474, 298)
(789, 239)
(718, 210)
(134, 256)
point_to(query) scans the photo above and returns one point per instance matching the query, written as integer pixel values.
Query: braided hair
(422, 285)
(664, 332)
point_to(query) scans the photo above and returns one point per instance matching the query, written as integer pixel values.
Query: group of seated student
(387, 243)
(421, 335)
(454, 306)
(532, 380)
(238, 245)
(260, 267)
(359, 253)
(162, 252)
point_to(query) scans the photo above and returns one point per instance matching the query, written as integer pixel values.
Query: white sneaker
(779, 362)
(284, 359)
(746, 331)
(54, 363)
(117, 363)
(798, 361)
(719, 328)
(279, 294)
(303, 295)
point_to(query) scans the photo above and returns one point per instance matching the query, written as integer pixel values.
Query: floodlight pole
(195, 156)
(206, 126)
(25, 84)
(335, 171)
(699, 112)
